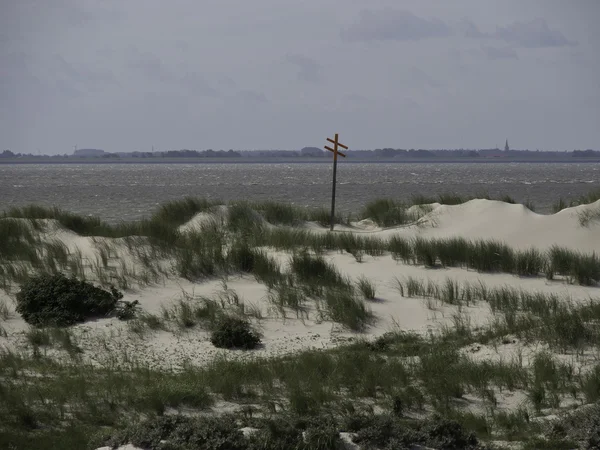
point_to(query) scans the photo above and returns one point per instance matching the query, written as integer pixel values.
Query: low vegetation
(586, 199)
(413, 380)
(397, 391)
(60, 301)
(234, 332)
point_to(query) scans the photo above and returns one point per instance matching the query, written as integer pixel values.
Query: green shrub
(127, 310)
(389, 432)
(233, 332)
(61, 301)
(181, 432)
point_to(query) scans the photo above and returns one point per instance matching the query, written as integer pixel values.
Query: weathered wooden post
(335, 151)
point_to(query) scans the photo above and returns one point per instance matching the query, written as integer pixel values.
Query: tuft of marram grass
(280, 213)
(314, 269)
(178, 212)
(386, 213)
(366, 287)
(343, 307)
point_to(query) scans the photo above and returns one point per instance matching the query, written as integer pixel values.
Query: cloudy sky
(127, 75)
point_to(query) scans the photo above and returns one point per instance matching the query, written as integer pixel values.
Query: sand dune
(106, 339)
(514, 224)
(476, 219)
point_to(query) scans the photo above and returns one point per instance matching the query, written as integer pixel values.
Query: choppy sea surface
(131, 191)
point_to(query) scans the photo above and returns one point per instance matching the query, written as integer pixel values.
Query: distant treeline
(315, 152)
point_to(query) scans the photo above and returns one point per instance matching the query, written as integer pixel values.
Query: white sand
(105, 341)
(477, 219)
(514, 224)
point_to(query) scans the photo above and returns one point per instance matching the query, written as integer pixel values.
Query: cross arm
(335, 151)
(339, 145)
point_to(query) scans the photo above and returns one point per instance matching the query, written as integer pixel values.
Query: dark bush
(61, 301)
(277, 434)
(127, 310)
(390, 432)
(181, 433)
(448, 434)
(233, 332)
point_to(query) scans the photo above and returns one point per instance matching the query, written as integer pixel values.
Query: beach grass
(312, 384)
(61, 402)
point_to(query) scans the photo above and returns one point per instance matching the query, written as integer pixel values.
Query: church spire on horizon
(506, 147)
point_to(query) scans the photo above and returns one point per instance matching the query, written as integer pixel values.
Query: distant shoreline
(258, 160)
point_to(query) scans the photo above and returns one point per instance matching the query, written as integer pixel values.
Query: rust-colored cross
(336, 152)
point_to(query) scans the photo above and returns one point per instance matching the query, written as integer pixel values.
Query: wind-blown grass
(586, 199)
(588, 217)
(178, 212)
(203, 252)
(535, 315)
(314, 269)
(366, 287)
(402, 373)
(387, 213)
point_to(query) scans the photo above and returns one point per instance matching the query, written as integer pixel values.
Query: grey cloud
(16, 61)
(418, 77)
(394, 25)
(468, 29)
(198, 84)
(153, 68)
(182, 45)
(500, 53)
(355, 102)
(82, 74)
(308, 69)
(150, 66)
(251, 98)
(534, 34)
(67, 89)
(225, 81)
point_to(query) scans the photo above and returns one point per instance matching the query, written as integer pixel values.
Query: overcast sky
(125, 75)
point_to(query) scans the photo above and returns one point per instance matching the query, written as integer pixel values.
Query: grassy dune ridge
(203, 252)
(402, 388)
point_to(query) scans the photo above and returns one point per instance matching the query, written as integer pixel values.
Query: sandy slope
(513, 224)
(104, 340)
(476, 219)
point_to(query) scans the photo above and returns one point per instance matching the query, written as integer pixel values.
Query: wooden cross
(335, 151)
